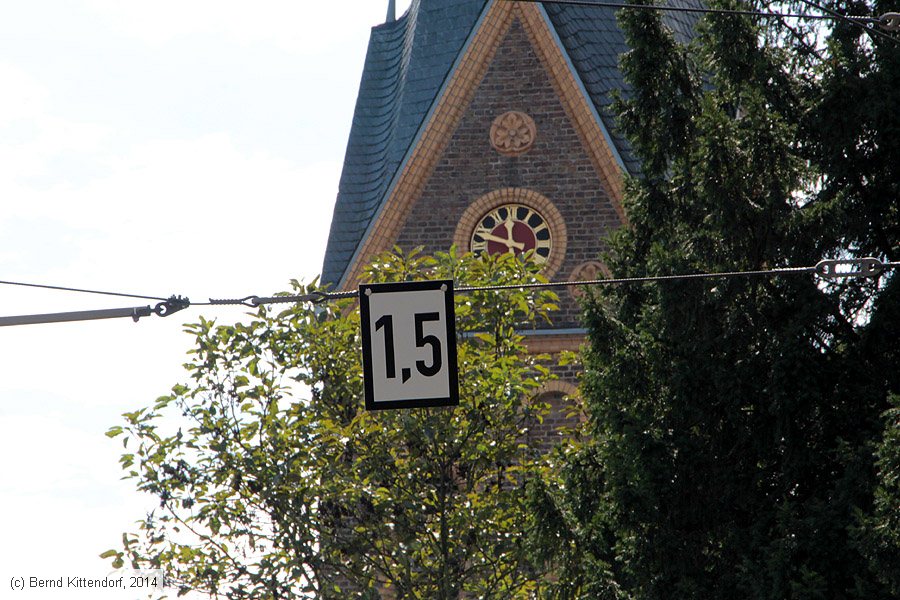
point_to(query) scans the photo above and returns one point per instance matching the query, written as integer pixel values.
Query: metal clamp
(850, 267)
(170, 306)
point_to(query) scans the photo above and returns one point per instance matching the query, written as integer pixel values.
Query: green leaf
(314, 483)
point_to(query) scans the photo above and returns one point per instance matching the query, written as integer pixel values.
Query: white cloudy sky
(185, 147)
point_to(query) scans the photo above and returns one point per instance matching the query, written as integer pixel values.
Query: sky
(188, 147)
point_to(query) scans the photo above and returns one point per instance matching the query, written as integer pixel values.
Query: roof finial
(392, 11)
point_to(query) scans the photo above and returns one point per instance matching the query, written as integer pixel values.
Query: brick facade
(538, 60)
(471, 176)
(557, 167)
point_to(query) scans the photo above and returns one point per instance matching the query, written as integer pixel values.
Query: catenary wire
(647, 279)
(695, 9)
(80, 291)
(850, 20)
(317, 297)
(827, 269)
(824, 268)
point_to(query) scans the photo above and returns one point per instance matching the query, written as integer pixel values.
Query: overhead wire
(888, 21)
(687, 9)
(163, 308)
(854, 20)
(646, 279)
(81, 291)
(826, 269)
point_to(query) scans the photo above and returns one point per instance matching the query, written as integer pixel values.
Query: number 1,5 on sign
(409, 345)
(386, 322)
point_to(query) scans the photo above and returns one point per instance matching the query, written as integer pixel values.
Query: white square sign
(409, 344)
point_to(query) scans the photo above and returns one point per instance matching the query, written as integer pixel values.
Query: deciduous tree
(278, 484)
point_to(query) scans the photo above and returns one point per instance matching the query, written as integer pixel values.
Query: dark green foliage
(280, 485)
(739, 442)
(880, 530)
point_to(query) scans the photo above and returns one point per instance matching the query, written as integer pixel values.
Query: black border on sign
(365, 323)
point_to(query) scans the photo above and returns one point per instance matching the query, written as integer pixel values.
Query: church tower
(486, 124)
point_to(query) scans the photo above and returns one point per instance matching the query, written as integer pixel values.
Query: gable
(390, 156)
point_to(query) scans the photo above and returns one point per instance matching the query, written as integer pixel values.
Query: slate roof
(406, 65)
(594, 44)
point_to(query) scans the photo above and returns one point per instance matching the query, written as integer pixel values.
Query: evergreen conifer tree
(739, 444)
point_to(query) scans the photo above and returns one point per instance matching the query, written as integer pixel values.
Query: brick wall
(556, 167)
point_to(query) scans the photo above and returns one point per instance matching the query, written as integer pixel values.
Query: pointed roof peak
(391, 12)
(407, 65)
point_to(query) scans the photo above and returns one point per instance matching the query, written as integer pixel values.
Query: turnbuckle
(849, 267)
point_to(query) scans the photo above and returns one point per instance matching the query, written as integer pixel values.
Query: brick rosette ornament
(513, 133)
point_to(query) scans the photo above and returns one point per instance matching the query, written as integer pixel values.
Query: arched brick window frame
(557, 394)
(463, 236)
(556, 389)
